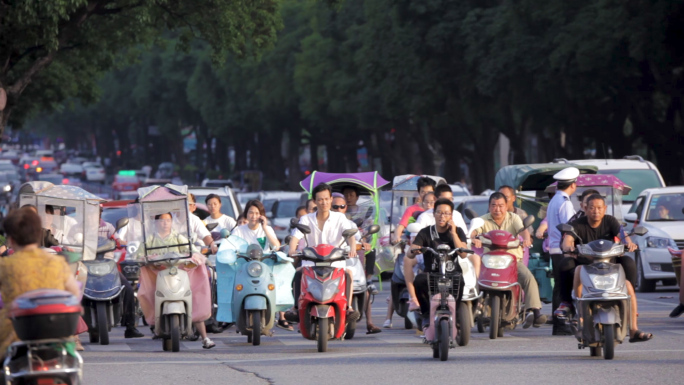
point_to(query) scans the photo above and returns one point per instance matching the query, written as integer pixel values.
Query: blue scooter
(102, 298)
(252, 286)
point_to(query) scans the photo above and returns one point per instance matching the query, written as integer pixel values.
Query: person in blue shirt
(560, 211)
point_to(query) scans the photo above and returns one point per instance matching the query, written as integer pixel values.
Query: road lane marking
(641, 300)
(674, 331)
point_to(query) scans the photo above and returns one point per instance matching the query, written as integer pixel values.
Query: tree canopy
(420, 84)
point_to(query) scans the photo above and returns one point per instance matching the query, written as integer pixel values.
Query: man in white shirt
(326, 228)
(427, 218)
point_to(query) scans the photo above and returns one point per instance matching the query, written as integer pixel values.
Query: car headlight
(7, 188)
(660, 243)
(255, 269)
(100, 269)
(604, 282)
(496, 261)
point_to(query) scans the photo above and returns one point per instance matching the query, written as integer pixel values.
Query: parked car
(245, 197)
(660, 211)
(633, 170)
(70, 167)
(269, 198)
(217, 183)
(478, 203)
(229, 203)
(460, 192)
(281, 212)
(11, 156)
(94, 172)
(123, 183)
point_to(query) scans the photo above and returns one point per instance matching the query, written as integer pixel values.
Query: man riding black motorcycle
(444, 231)
(597, 225)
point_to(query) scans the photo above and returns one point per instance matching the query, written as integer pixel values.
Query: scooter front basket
(452, 282)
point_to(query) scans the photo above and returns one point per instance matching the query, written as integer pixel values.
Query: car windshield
(638, 180)
(286, 208)
(218, 183)
(113, 214)
(666, 207)
(226, 207)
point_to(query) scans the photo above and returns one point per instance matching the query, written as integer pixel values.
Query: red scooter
(499, 281)
(324, 300)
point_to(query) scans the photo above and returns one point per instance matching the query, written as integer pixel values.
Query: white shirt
(330, 235)
(427, 218)
(131, 232)
(198, 230)
(560, 211)
(256, 236)
(224, 222)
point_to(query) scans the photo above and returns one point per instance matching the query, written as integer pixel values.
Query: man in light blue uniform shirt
(560, 211)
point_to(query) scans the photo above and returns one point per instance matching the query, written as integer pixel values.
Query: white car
(71, 168)
(94, 172)
(229, 203)
(460, 192)
(660, 211)
(634, 171)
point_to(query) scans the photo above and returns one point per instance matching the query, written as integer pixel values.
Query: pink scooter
(444, 288)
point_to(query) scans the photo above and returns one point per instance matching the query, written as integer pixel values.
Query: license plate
(444, 284)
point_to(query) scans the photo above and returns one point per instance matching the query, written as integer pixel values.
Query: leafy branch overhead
(89, 37)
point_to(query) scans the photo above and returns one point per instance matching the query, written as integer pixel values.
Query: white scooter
(172, 299)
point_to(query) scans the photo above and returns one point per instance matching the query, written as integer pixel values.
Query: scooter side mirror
(565, 228)
(470, 213)
(349, 233)
(121, 223)
(528, 221)
(211, 226)
(414, 227)
(475, 224)
(294, 223)
(640, 230)
(225, 233)
(373, 229)
(287, 240)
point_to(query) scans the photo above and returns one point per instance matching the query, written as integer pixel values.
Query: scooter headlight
(255, 269)
(322, 291)
(496, 261)
(100, 269)
(604, 282)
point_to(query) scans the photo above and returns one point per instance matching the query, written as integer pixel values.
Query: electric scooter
(45, 320)
(499, 280)
(252, 287)
(444, 288)
(603, 309)
(323, 301)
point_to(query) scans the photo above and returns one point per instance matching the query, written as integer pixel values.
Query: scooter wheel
(608, 341)
(322, 334)
(463, 320)
(407, 323)
(495, 317)
(175, 333)
(444, 339)
(256, 328)
(102, 323)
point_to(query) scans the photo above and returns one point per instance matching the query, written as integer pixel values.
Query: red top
(409, 213)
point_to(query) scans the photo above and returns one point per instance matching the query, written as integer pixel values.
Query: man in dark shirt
(597, 225)
(444, 231)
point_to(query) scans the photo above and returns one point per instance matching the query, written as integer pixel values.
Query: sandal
(640, 336)
(284, 325)
(374, 330)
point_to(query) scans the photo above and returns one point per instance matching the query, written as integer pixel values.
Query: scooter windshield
(164, 228)
(73, 223)
(233, 242)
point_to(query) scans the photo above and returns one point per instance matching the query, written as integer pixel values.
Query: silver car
(660, 211)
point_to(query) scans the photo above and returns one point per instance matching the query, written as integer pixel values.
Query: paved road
(398, 356)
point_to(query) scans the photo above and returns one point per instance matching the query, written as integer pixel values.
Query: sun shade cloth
(596, 180)
(369, 180)
(68, 192)
(409, 182)
(160, 193)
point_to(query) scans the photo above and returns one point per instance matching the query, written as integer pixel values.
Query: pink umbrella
(589, 180)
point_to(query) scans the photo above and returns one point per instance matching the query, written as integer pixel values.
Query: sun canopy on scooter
(73, 215)
(156, 202)
(28, 191)
(609, 187)
(368, 212)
